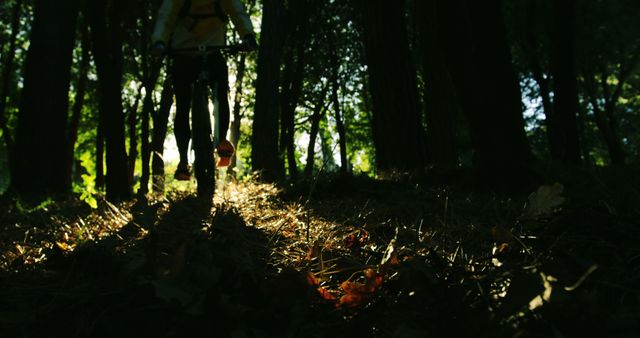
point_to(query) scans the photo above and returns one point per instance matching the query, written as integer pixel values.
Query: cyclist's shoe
(225, 150)
(183, 172)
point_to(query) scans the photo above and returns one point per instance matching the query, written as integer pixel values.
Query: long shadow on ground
(195, 274)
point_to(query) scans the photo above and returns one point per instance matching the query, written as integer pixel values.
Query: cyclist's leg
(182, 80)
(220, 76)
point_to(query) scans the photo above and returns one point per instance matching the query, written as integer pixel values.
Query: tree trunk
(132, 124)
(81, 89)
(106, 32)
(531, 49)
(335, 87)
(100, 151)
(160, 120)
(439, 95)
(604, 117)
(473, 37)
(565, 94)
(397, 122)
(316, 117)
(7, 73)
(150, 74)
(328, 162)
(264, 143)
(291, 90)
(234, 130)
(41, 138)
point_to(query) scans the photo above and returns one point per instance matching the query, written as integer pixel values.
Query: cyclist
(195, 23)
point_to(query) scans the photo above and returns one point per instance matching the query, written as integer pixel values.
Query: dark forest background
(505, 89)
(410, 168)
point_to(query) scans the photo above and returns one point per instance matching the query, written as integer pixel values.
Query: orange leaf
(326, 295)
(312, 280)
(353, 300)
(374, 280)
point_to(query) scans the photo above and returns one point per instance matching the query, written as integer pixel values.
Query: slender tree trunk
(565, 95)
(328, 161)
(100, 151)
(7, 72)
(335, 86)
(291, 90)
(81, 89)
(106, 31)
(132, 123)
(41, 138)
(234, 129)
(397, 121)
(160, 120)
(603, 117)
(264, 143)
(439, 94)
(543, 82)
(151, 72)
(316, 117)
(287, 115)
(145, 147)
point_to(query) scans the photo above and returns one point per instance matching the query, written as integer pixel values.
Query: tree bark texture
(473, 36)
(565, 94)
(441, 109)
(81, 89)
(160, 120)
(265, 156)
(234, 127)
(106, 31)
(335, 100)
(8, 63)
(397, 121)
(41, 137)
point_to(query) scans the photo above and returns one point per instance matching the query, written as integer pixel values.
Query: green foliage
(87, 189)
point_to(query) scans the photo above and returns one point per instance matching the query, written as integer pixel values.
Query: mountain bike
(204, 138)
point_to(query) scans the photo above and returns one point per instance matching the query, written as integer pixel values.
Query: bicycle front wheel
(204, 163)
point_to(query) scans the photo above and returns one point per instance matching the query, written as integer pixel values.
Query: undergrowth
(352, 257)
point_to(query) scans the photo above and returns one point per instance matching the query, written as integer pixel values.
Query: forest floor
(341, 257)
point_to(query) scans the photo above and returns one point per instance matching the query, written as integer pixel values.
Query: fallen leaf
(545, 200)
(312, 280)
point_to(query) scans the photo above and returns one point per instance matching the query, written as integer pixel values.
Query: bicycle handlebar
(203, 49)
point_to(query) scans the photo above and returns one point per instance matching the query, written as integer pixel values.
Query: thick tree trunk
(441, 109)
(160, 120)
(106, 32)
(565, 94)
(265, 156)
(397, 122)
(41, 138)
(8, 63)
(473, 37)
(81, 89)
